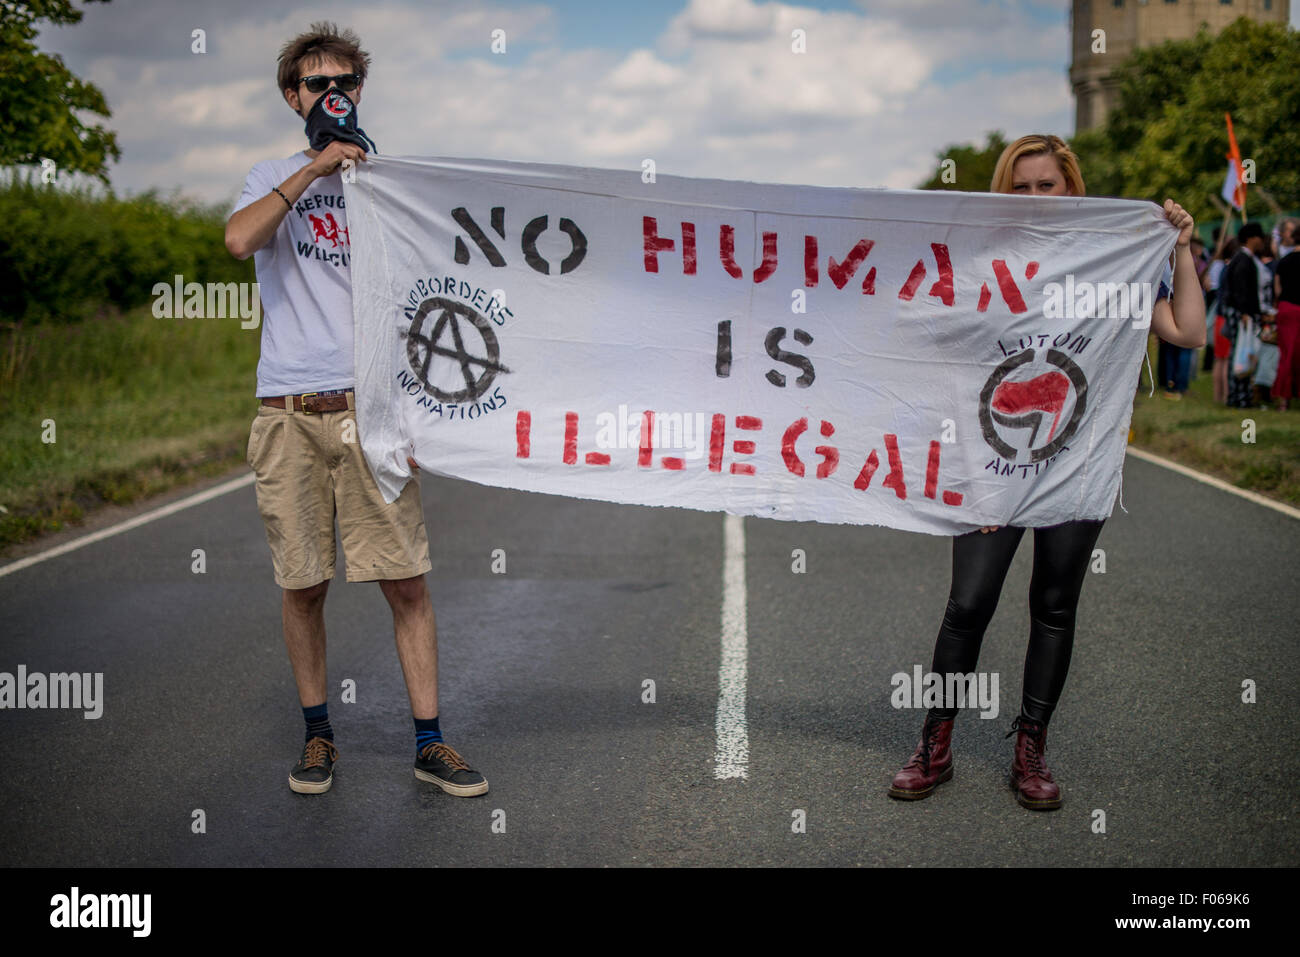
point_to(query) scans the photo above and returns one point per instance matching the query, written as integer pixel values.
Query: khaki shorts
(306, 474)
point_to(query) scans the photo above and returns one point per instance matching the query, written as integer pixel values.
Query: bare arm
(1183, 322)
(252, 227)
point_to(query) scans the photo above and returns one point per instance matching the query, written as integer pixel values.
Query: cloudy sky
(702, 87)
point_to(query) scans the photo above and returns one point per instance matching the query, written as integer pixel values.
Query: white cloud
(718, 93)
(643, 71)
(721, 19)
(224, 106)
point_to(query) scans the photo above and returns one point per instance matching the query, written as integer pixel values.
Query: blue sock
(318, 722)
(427, 732)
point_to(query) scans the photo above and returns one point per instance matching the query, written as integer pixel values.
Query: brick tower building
(1130, 24)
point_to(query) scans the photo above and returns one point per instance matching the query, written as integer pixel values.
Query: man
(303, 443)
(1245, 284)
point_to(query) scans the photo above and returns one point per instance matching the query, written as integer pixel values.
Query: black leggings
(979, 566)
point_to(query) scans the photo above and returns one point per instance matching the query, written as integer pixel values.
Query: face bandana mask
(334, 117)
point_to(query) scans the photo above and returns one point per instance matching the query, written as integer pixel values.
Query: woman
(1286, 291)
(1221, 351)
(1034, 166)
(1246, 303)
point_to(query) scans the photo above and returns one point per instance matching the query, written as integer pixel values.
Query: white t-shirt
(305, 276)
(1216, 273)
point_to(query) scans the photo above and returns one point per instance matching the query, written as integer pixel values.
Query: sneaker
(439, 764)
(314, 772)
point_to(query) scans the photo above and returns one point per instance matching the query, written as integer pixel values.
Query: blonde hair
(1038, 144)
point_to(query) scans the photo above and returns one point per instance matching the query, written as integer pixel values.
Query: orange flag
(1234, 183)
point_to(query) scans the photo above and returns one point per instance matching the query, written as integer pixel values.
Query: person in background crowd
(1286, 290)
(1201, 256)
(1221, 345)
(1284, 237)
(1266, 330)
(1174, 363)
(1213, 264)
(1242, 280)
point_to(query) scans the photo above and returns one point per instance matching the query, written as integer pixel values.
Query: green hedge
(67, 254)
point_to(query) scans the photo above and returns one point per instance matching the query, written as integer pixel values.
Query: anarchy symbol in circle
(421, 348)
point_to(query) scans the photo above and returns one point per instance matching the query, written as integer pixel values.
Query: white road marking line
(1216, 483)
(732, 759)
(179, 505)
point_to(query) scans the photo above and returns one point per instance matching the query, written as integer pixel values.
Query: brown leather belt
(335, 400)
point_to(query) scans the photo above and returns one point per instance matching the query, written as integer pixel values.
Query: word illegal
(745, 447)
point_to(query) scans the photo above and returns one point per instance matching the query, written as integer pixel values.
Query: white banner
(931, 361)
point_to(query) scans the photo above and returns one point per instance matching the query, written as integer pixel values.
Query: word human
(192, 300)
(750, 427)
(74, 910)
(57, 690)
(932, 690)
(840, 273)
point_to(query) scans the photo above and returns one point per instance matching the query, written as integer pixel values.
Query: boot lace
(1034, 747)
(922, 754)
(316, 751)
(447, 755)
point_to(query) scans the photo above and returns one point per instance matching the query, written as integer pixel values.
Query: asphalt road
(542, 672)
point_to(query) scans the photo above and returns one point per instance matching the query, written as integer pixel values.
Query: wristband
(276, 190)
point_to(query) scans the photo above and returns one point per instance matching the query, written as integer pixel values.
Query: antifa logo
(336, 104)
(1033, 404)
(442, 355)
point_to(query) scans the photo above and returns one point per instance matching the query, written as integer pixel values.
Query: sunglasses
(317, 83)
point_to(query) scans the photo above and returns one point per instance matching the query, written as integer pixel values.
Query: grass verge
(135, 405)
(1255, 449)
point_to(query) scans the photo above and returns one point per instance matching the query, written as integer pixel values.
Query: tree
(972, 167)
(1166, 136)
(38, 110)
